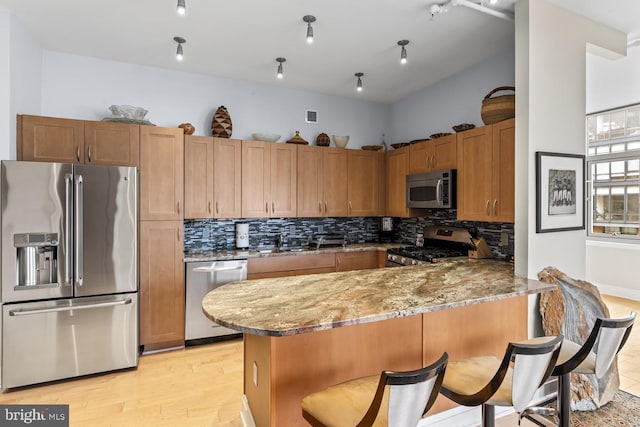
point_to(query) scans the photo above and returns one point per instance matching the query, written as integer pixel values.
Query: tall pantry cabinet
(161, 237)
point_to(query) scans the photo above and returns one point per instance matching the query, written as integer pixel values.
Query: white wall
(25, 80)
(5, 123)
(613, 267)
(551, 46)
(455, 100)
(84, 88)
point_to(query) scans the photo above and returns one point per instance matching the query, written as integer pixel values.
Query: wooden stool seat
(391, 399)
(345, 404)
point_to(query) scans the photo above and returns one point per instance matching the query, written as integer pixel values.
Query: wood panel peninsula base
(394, 318)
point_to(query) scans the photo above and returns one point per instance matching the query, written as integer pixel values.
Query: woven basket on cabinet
(498, 108)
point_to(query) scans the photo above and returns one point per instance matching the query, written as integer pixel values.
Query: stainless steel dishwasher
(202, 277)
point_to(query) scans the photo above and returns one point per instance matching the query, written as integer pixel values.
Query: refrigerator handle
(68, 228)
(20, 312)
(79, 230)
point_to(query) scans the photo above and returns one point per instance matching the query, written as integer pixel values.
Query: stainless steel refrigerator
(69, 271)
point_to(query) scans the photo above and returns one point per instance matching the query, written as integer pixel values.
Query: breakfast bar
(304, 333)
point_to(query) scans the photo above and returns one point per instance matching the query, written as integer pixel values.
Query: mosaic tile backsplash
(212, 234)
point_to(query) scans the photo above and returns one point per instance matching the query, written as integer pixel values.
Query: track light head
(309, 19)
(179, 52)
(403, 52)
(359, 81)
(181, 9)
(280, 73)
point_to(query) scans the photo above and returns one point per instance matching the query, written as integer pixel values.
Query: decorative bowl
(463, 126)
(265, 136)
(128, 112)
(340, 141)
(399, 145)
(188, 128)
(439, 135)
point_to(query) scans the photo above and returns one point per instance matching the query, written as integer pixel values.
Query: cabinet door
(397, 170)
(161, 173)
(198, 177)
(310, 181)
(334, 175)
(256, 167)
(49, 139)
(284, 174)
(503, 181)
(161, 284)
(349, 261)
(227, 181)
(475, 174)
(113, 144)
(362, 179)
(444, 152)
(421, 156)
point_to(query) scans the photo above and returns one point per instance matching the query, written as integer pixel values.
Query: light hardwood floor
(202, 386)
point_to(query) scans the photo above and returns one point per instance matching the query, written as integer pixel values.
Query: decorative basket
(221, 125)
(498, 108)
(323, 140)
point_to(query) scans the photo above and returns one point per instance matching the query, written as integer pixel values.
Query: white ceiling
(240, 39)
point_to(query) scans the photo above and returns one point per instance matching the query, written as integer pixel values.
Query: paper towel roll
(242, 235)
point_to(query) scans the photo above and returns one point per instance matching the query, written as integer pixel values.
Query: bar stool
(390, 399)
(489, 382)
(607, 337)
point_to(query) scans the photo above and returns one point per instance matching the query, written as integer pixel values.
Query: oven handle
(439, 192)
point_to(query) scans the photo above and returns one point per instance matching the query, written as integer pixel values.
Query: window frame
(592, 159)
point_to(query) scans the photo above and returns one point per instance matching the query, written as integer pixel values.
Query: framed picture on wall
(559, 192)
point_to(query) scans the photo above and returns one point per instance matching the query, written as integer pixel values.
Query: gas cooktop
(440, 242)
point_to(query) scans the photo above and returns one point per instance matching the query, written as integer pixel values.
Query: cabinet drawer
(290, 263)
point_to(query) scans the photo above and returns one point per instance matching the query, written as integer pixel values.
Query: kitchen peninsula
(396, 318)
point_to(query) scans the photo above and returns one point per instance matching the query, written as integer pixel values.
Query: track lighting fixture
(359, 81)
(403, 52)
(309, 19)
(179, 53)
(182, 8)
(280, 73)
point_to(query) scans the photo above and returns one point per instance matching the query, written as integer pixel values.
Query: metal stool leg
(488, 416)
(564, 400)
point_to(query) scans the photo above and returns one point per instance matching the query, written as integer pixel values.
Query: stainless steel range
(439, 242)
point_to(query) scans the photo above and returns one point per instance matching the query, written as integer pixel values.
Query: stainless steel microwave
(432, 190)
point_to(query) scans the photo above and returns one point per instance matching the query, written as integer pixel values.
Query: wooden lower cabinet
(161, 284)
(348, 261)
(290, 265)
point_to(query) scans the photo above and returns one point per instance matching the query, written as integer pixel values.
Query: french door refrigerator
(69, 271)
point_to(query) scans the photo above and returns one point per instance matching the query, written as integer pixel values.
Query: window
(613, 163)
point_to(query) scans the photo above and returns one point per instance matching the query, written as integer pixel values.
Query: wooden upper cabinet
(50, 139)
(322, 181)
(436, 154)
(161, 173)
(112, 144)
(161, 284)
(503, 178)
(227, 178)
(398, 165)
(198, 176)
(362, 183)
(269, 179)
(486, 159)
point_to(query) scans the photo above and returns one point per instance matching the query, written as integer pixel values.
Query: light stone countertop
(300, 304)
(195, 256)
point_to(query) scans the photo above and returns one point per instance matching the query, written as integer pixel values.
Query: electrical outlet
(320, 229)
(504, 239)
(255, 373)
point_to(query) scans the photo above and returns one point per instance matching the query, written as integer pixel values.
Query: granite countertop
(195, 256)
(299, 304)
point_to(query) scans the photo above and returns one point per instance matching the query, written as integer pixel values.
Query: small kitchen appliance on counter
(439, 242)
(242, 235)
(327, 240)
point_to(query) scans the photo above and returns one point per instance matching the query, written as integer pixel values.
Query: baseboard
(245, 413)
(616, 291)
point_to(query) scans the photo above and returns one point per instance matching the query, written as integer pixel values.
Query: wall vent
(311, 116)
